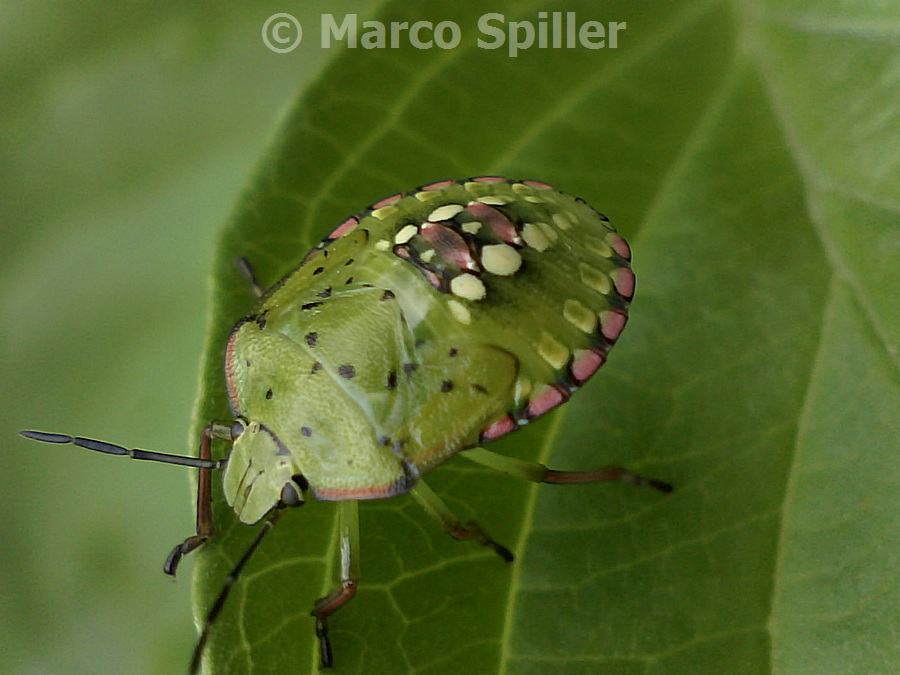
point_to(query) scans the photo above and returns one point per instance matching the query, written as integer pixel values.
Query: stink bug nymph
(428, 325)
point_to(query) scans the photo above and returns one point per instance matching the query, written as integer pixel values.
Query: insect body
(428, 325)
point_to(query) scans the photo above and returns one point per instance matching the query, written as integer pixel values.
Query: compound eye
(237, 428)
(292, 492)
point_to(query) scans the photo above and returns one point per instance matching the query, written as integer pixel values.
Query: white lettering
(590, 30)
(614, 28)
(484, 25)
(414, 35)
(374, 37)
(455, 35)
(330, 29)
(514, 43)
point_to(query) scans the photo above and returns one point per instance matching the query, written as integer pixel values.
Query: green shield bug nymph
(428, 325)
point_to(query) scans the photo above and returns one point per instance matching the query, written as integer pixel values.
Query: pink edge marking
(488, 179)
(449, 245)
(545, 400)
(623, 278)
(496, 221)
(611, 324)
(438, 185)
(499, 428)
(387, 201)
(619, 245)
(229, 373)
(379, 492)
(586, 363)
(433, 279)
(344, 227)
(537, 184)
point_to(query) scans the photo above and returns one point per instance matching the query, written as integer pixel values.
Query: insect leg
(226, 589)
(438, 510)
(541, 474)
(204, 498)
(246, 271)
(328, 605)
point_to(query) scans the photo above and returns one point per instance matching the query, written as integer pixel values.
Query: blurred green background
(126, 133)
(748, 150)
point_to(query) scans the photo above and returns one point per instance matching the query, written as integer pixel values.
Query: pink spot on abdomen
(623, 279)
(387, 201)
(545, 400)
(585, 364)
(344, 228)
(449, 245)
(619, 245)
(611, 325)
(496, 221)
(438, 185)
(499, 428)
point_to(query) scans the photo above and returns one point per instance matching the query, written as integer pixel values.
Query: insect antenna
(226, 589)
(112, 449)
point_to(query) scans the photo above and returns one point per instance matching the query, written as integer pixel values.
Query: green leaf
(748, 152)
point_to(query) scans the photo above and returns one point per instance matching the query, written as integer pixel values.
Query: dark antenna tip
(45, 436)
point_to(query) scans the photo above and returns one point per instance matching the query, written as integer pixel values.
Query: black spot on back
(346, 371)
(312, 338)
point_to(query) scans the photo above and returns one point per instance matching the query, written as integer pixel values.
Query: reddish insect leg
(204, 498)
(328, 605)
(438, 510)
(539, 473)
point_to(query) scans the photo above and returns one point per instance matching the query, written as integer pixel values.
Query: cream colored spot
(384, 212)
(521, 189)
(406, 233)
(445, 212)
(533, 199)
(552, 351)
(427, 255)
(580, 316)
(501, 259)
(426, 196)
(495, 200)
(382, 245)
(535, 237)
(552, 235)
(561, 221)
(598, 246)
(595, 279)
(468, 286)
(459, 312)
(572, 217)
(471, 226)
(522, 390)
